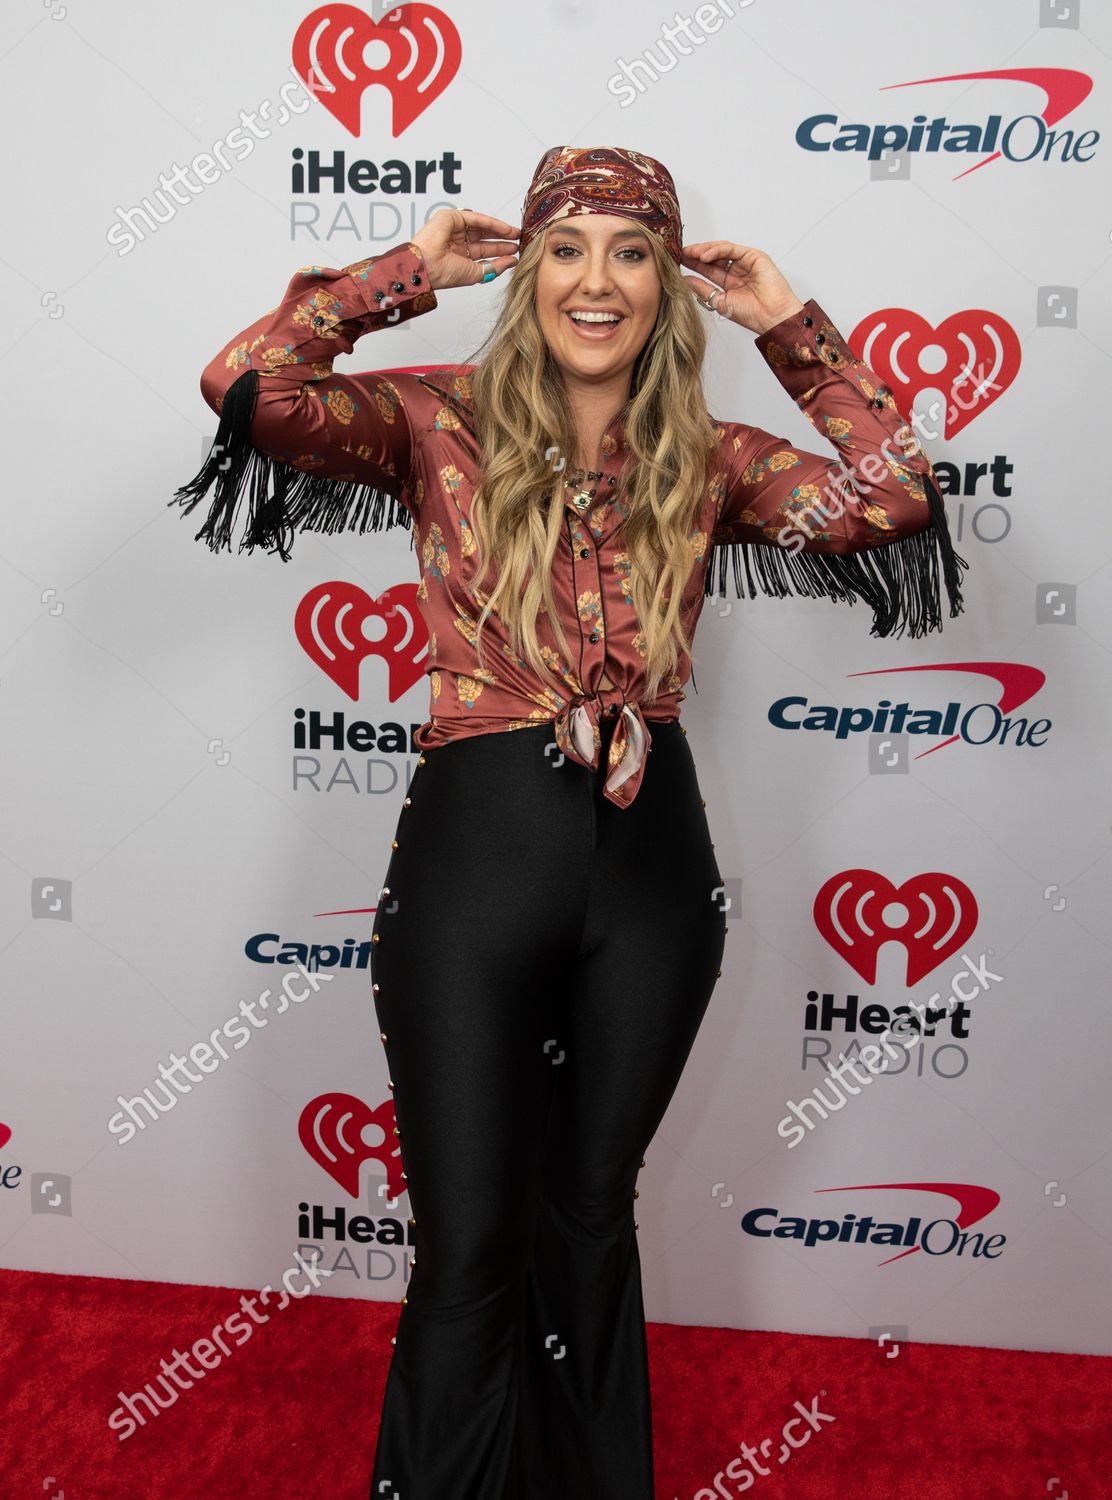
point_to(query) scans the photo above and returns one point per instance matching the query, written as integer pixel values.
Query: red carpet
(290, 1413)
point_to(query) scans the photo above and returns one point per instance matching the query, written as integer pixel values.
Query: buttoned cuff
(393, 281)
(804, 338)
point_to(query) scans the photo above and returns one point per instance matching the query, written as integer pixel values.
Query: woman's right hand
(453, 242)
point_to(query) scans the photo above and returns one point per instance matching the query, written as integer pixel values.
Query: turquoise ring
(489, 274)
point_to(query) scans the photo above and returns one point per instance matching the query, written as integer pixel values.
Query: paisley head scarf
(603, 180)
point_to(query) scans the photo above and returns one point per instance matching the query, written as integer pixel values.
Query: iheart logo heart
(331, 1130)
(972, 357)
(852, 913)
(5, 1135)
(330, 622)
(414, 52)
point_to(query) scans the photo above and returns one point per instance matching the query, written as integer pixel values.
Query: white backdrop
(159, 845)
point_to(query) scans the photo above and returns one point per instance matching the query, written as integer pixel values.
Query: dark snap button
(399, 286)
(807, 321)
(584, 551)
(593, 637)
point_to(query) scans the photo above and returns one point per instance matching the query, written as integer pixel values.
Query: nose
(596, 277)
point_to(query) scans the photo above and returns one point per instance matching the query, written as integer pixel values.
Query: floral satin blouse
(307, 448)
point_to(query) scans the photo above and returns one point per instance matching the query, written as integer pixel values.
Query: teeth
(586, 317)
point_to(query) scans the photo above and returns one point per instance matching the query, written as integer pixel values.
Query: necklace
(584, 497)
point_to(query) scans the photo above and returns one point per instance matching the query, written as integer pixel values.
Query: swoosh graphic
(1064, 88)
(973, 1202)
(1018, 682)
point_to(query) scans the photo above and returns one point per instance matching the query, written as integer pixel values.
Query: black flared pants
(543, 962)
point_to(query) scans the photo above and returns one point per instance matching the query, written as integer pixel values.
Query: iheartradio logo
(331, 622)
(972, 357)
(331, 1129)
(931, 915)
(414, 52)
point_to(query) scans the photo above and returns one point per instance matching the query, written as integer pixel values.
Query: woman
(552, 925)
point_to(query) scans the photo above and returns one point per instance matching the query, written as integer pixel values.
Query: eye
(628, 250)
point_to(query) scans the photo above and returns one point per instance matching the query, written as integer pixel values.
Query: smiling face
(595, 265)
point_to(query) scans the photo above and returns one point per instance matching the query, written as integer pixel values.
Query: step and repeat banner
(894, 1123)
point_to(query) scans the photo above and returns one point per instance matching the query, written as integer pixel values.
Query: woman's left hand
(746, 286)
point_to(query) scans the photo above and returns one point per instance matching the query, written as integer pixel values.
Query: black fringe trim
(898, 580)
(281, 500)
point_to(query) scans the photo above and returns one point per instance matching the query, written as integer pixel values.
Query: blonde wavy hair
(522, 417)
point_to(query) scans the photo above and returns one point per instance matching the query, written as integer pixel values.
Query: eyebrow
(618, 234)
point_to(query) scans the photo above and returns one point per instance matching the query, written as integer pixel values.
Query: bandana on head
(604, 180)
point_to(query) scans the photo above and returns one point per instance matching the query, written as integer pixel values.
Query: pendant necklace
(584, 497)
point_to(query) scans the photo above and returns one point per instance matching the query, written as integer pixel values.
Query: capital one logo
(972, 357)
(1017, 682)
(413, 52)
(931, 916)
(949, 1235)
(332, 1128)
(333, 624)
(1023, 138)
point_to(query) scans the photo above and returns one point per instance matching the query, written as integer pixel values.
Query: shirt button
(593, 637)
(612, 710)
(584, 551)
(807, 321)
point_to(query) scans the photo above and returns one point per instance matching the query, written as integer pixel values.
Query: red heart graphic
(329, 624)
(337, 53)
(978, 358)
(5, 1135)
(941, 916)
(331, 1130)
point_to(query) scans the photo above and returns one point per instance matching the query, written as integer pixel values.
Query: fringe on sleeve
(898, 580)
(280, 499)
